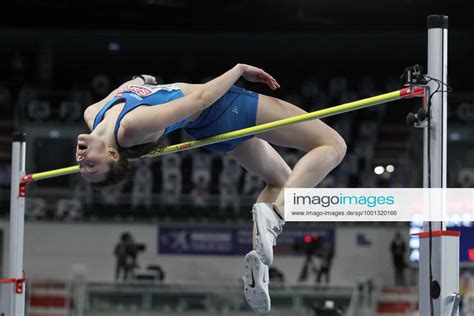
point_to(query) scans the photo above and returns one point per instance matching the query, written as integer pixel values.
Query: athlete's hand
(254, 74)
(150, 79)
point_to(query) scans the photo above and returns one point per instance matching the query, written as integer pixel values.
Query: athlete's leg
(324, 146)
(260, 158)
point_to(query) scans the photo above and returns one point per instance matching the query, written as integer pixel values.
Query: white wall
(52, 249)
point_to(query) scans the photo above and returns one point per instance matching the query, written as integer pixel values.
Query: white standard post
(436, 158)
(17, 222)
(442, 293)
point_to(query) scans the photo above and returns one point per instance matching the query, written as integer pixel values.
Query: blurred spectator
(171, 188)
(39, 110)
(398, 250)
(69, 209)
(201, 180)
(229, 183)
(309, 246)
(36, 208)
(142, 185)
(171, 162)
(83, 192)
(70, 111)
(172, 179)
(326, 262)
(111, 195)
(201, 161)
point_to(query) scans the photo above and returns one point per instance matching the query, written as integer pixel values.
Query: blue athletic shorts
(236, 109)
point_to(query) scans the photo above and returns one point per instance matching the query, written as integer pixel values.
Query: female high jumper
(132, 120)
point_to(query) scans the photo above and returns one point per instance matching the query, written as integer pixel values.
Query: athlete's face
(93, 157)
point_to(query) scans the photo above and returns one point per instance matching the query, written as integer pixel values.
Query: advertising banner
(218, 240)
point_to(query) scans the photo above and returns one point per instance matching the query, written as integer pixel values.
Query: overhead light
(379, 170)
(390, 168)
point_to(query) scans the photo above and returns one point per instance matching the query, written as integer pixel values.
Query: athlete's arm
(214, 89)
(146, 123)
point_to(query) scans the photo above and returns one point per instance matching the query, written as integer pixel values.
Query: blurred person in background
(132, 120)
(126, 252)
(309, 246)
(122, 265)
(398, 251)
(326, 261)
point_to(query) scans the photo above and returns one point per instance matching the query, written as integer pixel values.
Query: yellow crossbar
(55, 173)
(338, 109)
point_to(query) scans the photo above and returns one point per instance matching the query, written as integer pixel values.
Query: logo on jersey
(139, 90)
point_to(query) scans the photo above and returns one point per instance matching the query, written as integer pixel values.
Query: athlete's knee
(340, 148)
(336, 149)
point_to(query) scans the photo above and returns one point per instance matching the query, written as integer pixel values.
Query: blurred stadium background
(184, 220)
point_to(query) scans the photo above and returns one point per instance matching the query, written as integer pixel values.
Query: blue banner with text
(221, 240)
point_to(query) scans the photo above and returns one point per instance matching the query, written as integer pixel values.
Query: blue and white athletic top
(137, 95)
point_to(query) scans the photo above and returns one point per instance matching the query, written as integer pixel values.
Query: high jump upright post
(439, 248)
(12, 293)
